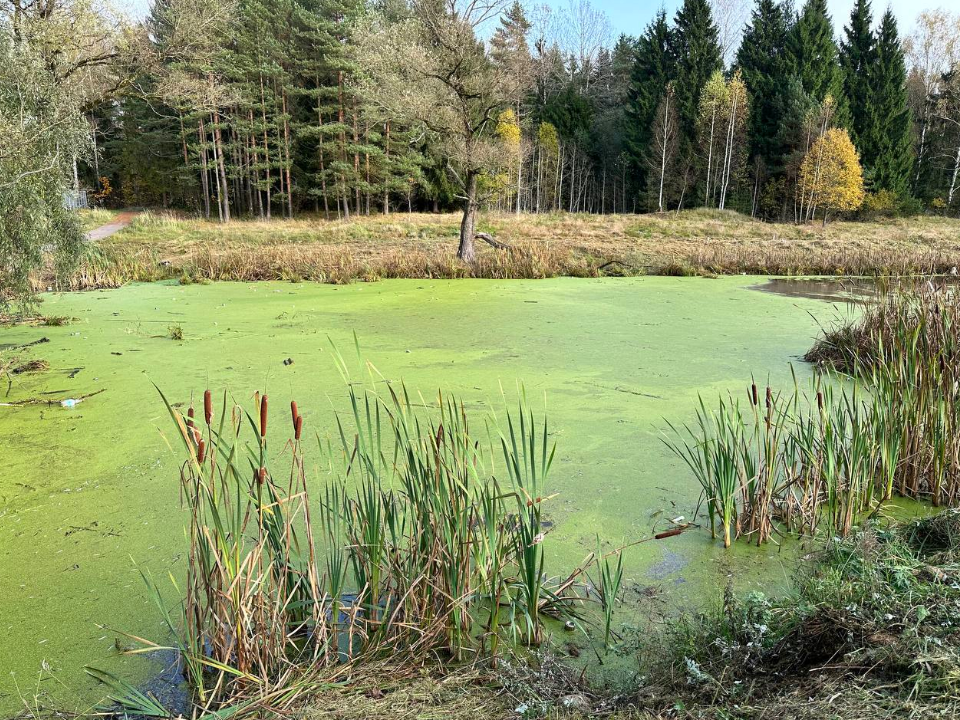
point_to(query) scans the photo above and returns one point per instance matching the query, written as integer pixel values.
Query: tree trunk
(466, 250)
(286, 147)
(953, 179)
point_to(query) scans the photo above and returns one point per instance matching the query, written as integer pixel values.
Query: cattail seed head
(298, 426)
(753, 394)
(294, 413)
(262, 475)
(201, 451)
(207, 406)
(819, 400)
(190, 416)
(263, 416)
(769, 397)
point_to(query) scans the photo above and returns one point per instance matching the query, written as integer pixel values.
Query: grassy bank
(871, 629)
(158, 245)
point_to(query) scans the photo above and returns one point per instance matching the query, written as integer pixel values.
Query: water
(91, 490)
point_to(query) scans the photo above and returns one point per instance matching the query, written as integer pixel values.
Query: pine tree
(651, 73)
(695, 49)
(893, 159)
(813, 52)
(857, 55)
(766, 71)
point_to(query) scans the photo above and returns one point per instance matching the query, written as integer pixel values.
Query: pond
(91, 493)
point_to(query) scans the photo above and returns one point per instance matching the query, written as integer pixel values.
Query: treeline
(264, 107)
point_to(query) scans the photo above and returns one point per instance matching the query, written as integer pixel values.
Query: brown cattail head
(769, 397)
(753, 394)
(298, 426)
(190, 416)
(819, 400)
(207, 406)
(262, 475)
(263, 416)
(201, 451)
(294, 413)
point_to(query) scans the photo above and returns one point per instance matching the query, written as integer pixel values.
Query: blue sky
(631, 16)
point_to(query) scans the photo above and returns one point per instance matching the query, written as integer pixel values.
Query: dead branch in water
(42, 401)
(492, 241)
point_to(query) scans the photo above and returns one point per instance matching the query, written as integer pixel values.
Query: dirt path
(119, 223)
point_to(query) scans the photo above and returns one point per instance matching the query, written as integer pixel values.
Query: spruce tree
(652, 71)
(695, 49)
(766, 71)
(857, 55)
(892, 130)
(813, 52)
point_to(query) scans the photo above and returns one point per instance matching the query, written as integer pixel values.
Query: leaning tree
(430, 70)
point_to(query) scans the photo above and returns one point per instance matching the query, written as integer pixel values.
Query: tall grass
(833, 454)
(427, 541)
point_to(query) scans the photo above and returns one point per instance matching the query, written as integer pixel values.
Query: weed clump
(875, 610)
(419, 548)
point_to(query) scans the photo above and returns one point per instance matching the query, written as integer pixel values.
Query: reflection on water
(842, 290)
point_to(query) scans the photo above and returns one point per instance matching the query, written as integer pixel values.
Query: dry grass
(162, 245)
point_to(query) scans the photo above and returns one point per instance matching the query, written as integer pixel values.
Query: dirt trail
(119, 223)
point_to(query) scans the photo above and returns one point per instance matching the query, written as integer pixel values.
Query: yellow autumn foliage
(508, 129)
(830, 176)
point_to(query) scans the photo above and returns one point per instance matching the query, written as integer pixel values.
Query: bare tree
(586, 31)
(932, 49)
(730, 16)
(431, 71)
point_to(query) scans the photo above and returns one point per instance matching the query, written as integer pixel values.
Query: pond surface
(88, 492)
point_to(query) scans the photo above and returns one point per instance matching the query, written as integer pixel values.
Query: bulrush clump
(836, 454)
(267, 615)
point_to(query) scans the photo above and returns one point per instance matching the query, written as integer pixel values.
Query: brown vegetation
(159, 246)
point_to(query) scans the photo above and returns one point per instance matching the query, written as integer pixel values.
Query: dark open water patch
(832, 290)
(856, 291)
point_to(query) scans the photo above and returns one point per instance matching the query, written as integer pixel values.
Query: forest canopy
(271, 108)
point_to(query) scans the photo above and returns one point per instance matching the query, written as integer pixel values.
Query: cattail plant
(420, 546)
(889, 424)
(607, 586)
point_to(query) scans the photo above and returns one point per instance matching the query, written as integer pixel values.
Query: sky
(631, 16)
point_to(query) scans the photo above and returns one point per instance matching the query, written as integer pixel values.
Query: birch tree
(666, 135)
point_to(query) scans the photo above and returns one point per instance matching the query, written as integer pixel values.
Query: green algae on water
(92, 489)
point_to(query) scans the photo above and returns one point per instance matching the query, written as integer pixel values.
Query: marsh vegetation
(791, 459)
